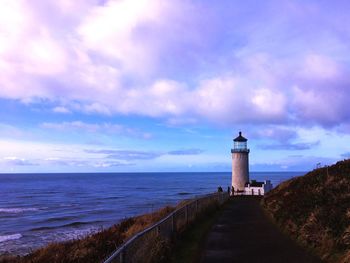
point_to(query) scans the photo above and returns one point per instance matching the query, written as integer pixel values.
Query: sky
(155, 86)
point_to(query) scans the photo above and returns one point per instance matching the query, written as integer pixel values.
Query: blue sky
(136, 85)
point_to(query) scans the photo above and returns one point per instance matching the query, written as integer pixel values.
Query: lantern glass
(240, 146)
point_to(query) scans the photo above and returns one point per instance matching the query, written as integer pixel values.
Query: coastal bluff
(314, 209)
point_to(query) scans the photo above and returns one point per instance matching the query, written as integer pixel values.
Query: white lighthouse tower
(240, 164)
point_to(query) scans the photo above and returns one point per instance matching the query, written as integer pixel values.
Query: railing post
(197, 206)
(173, 224)
(122, 256)
(186, 214)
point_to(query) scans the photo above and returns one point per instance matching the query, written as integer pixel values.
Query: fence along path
(134, 248)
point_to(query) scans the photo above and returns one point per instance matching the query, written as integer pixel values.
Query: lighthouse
(240, 164)
(240, 171)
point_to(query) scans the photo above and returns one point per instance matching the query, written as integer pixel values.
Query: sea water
(36, 209)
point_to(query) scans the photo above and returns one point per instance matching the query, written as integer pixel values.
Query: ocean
(36, 209)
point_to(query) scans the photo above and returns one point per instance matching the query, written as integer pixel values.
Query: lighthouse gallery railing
(165, 228)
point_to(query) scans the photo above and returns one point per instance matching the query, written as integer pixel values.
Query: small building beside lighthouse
(240, 171)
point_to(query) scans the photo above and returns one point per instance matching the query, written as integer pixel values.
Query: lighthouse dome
(240, 138)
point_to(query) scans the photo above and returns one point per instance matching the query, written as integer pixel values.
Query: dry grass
(95, 247)
(155, 249)
(315, 210)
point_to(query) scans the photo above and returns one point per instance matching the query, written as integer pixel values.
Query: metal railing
(249, 192)
(175, 222)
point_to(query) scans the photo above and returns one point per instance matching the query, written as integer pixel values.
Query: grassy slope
(92, 248)
(189, 244)
(315, 210)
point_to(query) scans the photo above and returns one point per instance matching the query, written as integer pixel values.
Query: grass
(189, 245)
(314, 209)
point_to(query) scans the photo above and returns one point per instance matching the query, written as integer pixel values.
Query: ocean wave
(62, 218)
(81, 223)
(10, 237)
(110, 198)
(73, 224)
(72, 234)
(80, 233)
(184, 193)
(17, 210)
(43, 228)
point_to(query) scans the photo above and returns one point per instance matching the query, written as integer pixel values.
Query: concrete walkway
(243, 233)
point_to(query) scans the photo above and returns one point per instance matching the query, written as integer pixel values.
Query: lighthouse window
(240, 145)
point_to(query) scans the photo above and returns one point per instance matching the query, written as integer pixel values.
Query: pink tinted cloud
(179, 60)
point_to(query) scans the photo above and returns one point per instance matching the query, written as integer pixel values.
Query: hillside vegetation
(95, 247)
(315, 210)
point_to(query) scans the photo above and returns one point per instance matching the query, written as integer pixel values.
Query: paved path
(243, 233)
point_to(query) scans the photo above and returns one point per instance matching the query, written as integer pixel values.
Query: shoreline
(90, 246)
(101, 245)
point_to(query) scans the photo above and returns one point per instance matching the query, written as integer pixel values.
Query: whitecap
(17, 210)
(10, 237)
(69, 234)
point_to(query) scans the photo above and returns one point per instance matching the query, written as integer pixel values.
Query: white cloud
(43, 56)
(7, 130)
(269, 102)
(80, 157)
(321, 67)
(126, 57)
(231, 99)
(15, 161)
(96, 108)
(108, 128)
(74, 125)
(108, 29)
(61, 109)
(48, 156)
(29, 150)
(135, 33)
(163, 98)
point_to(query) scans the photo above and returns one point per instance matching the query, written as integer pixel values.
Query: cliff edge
(314, 209)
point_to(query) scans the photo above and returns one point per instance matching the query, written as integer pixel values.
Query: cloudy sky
(154, 85)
